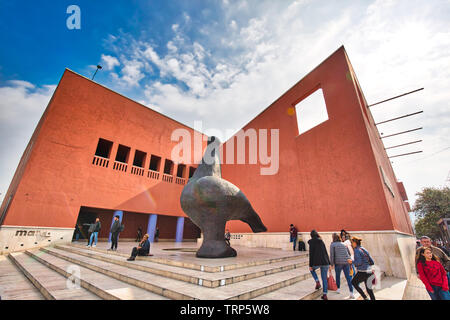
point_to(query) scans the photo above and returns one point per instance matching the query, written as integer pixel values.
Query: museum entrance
(133, 221)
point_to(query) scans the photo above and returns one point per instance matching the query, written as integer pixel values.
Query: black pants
(114, 239)
(138, 252)
(363, 277)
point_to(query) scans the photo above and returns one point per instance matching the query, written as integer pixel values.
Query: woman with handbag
(318, 259)
(341, 260)
(362, 262)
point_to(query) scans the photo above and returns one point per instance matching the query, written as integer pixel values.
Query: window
(181, 170)
(155, 163)
(139, 158)
(311, 111)
(122, 153)
(191, 171)
(168, 167)
(103, 148)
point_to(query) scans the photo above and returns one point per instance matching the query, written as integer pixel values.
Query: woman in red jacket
(433, 275)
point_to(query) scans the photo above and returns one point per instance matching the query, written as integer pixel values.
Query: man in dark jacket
(115, 230)
(142, 250)
(293, 233)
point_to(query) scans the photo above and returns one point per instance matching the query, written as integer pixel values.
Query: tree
(431, 205)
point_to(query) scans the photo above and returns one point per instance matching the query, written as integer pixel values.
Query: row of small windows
(104, 148)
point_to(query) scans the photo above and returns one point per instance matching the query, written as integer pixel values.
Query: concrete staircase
(76, 272)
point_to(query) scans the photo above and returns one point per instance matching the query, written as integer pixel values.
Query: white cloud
(21, 106)
(109, 62)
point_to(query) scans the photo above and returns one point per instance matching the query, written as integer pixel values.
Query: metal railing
(100, 161)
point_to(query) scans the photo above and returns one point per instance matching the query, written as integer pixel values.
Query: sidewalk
(391, 289)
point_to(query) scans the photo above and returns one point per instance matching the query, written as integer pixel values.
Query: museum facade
(96, 153)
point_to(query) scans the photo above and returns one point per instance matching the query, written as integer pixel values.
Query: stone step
(98, 283)
(226, 265)
(14, 285)
(211, 280)
(176, 289)
(301, 290)
(51, 284)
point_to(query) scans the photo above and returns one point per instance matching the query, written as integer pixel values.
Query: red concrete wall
(329, 176)
(59, 176)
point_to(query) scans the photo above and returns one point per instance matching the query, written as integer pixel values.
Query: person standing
(90, 232)
(94, 235)
(443, 258)
(227, 236)
(139, 235)
(115, 230)
(293, 234)
(341, 260)
(156, 234)
(143, 249)
(362, 262)
(318, 259)
(432, 274)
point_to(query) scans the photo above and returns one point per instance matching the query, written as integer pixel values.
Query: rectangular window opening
(103, 148)
(311, 111)
(191, 171)
(155, 163)
(139, 158)
(168, 167)
(123, 153)
(181, 170)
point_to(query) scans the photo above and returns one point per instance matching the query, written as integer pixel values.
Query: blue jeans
(439, 294)
(295, 241)
(95, 236)
(323, 275)
(346, 268)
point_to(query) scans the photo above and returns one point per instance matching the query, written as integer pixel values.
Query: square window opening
(139, 158)
(311, 111)
(181, 170)
(168, 167)
(123, 153)
(103, 148)
(155, 163)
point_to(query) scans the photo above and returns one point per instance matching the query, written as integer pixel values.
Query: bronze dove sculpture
(211, 201)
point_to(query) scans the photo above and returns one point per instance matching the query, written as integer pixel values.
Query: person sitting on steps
(143, 249)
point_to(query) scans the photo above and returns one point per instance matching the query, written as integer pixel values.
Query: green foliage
(432, 205)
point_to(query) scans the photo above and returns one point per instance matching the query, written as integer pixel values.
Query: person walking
(346, 239)
(318, 259)
(115, 230)
(443, 258)
(293, 234)
(432, 274)
(94, 235)
(340, 259)
(362, 262)
(143, 249)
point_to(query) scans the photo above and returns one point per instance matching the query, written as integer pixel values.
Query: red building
(97, 153)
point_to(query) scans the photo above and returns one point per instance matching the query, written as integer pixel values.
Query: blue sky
(224, 61)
